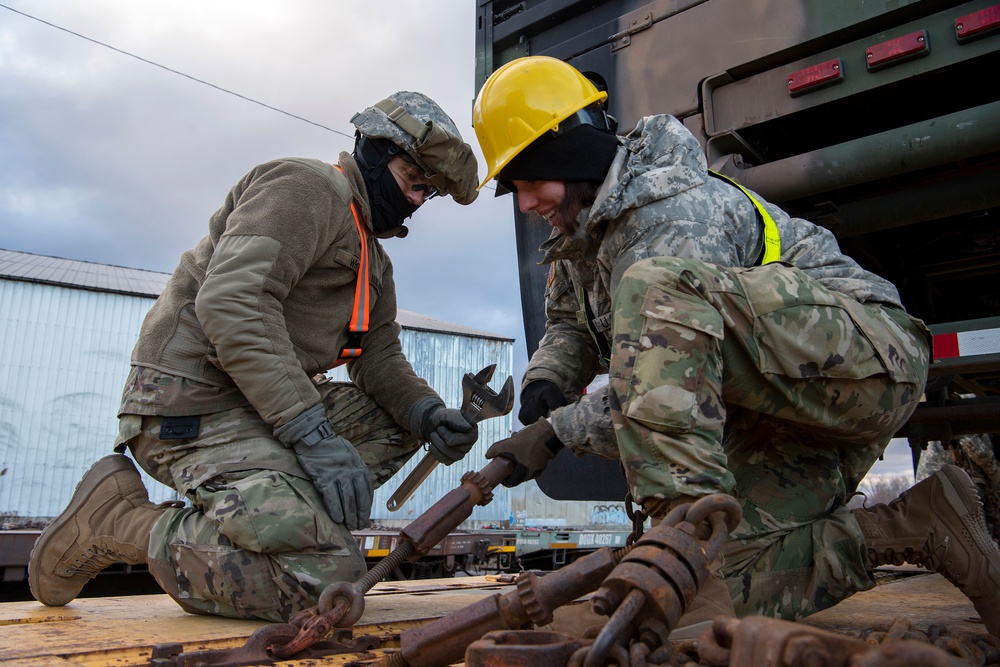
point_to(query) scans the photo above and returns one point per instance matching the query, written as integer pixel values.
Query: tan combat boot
(712, 600)
(108, 519)
(939, 524)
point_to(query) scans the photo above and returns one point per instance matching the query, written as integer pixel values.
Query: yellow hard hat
(523, 100)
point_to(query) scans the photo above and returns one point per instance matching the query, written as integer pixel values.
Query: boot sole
(961, 493)
(960, 490)
(104, 468)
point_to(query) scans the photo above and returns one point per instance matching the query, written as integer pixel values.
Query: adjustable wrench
(479, 402)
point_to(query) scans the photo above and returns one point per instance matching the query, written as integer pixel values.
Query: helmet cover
(416, 124)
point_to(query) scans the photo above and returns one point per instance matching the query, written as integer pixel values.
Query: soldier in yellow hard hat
(746, 355)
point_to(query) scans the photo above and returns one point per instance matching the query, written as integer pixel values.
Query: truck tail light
(977, 24)
(817, 76)
(897, 50)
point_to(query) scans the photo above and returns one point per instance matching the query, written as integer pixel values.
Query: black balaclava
(389, 205)
(583, 153)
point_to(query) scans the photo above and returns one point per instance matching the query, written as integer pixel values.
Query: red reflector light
(897, 50)
(817, 76)
(946, 346)
(977, 24)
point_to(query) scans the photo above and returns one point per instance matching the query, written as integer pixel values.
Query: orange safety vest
(362, 293)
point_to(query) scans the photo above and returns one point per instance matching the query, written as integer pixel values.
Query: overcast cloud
(109, 159)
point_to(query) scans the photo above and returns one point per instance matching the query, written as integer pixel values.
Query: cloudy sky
(108, 158)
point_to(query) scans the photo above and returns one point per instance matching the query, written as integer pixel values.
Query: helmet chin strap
(389, 206)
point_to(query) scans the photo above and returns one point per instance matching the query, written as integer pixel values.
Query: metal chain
(638, 520)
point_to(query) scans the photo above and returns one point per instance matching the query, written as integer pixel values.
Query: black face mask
(389, 205)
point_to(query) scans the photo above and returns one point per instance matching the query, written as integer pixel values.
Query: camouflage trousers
(766, 385)
(257, 541)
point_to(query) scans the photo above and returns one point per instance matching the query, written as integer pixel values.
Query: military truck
(877, 120)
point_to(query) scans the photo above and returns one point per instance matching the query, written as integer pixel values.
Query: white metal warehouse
(67, 329)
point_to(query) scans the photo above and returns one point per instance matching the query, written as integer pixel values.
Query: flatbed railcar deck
(122, 631)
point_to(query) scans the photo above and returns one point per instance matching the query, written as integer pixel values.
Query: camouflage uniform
(780, 384)
(249, 317)
(257, 541)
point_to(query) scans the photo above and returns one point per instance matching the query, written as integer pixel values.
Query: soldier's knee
(269, 511)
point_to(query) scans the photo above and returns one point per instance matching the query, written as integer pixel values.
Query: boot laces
(934, 555)
(95, 558)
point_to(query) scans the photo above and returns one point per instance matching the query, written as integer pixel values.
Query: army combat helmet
(428, 136)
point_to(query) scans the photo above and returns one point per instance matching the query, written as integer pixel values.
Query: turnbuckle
(659, 578)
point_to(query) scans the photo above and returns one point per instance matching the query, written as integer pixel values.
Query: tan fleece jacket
(263, 302)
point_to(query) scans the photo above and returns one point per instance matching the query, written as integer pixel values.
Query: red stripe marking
(946, 346)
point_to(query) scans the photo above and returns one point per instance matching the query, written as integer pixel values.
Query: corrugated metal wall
(64, 356)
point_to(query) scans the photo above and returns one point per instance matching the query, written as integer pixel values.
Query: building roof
(30, 268)
(42, 269)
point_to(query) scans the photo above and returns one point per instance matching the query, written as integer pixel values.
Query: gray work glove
(538, 399)
(449, 434)
(530, 449)
(333, 465)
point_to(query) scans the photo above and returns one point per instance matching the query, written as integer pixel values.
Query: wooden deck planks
(120, 631)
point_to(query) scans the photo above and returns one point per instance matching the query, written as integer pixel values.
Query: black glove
(450, 435)
(333, 465)
(530, 449)
(538, 399)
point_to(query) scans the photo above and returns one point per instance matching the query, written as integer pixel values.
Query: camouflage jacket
(658, 200)
(263, 302)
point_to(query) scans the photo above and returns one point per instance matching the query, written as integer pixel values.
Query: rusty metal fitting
(669, 576)
(347, 593)
(427, 530)
(524, 648)
(254, 651)
(444, 640)
(764, 642)
(341, 604)
(534, 605)
(669, 564)
(661, 574)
